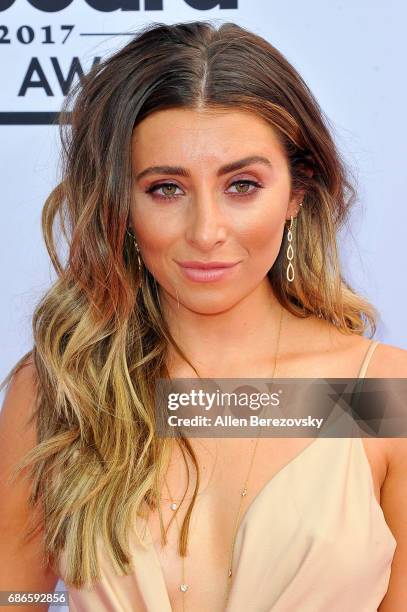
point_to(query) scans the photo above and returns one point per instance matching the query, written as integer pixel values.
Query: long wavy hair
(99, 338)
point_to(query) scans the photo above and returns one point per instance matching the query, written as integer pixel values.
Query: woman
(195, 148)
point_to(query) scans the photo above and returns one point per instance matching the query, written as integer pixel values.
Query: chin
(209, 305)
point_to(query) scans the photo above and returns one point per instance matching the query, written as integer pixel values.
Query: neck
(226, 342)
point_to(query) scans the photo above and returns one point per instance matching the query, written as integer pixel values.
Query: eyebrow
(225, 169)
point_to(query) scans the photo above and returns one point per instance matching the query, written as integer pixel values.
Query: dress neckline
(304, 452)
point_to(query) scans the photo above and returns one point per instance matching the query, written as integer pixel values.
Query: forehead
(213, 135)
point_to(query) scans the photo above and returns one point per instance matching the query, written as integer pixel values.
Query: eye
(246, 184)
(169, 189)
(165, 195)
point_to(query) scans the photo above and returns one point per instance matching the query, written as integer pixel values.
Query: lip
(205, 272)
(206, 265)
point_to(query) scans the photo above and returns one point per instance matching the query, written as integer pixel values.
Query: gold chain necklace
(184, 586)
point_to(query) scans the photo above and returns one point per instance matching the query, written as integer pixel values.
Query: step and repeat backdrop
(351, 54)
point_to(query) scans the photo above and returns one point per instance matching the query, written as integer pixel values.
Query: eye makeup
(153, 189)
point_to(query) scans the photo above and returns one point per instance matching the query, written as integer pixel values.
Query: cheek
(261, 236)
(155, 236)
(149, 238)
(148, 226)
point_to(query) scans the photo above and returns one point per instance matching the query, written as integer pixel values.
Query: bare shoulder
(346, 353)
(22, 564)
(16, 415)
(388, 361)
(391, 362)
(22, 383)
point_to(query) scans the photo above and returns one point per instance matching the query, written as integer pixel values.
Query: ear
(294, 206)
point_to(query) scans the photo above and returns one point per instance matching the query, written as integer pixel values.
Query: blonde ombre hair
(100, 340)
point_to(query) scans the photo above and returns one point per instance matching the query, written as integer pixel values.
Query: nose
(206, 223)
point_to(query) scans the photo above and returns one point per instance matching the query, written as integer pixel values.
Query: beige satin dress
(314, 539)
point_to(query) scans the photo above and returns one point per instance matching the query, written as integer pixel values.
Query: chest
(220, 510)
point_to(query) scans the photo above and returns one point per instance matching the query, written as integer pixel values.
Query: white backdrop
(351, 54)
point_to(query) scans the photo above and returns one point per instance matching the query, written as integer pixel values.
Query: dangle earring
(290, 254)
(139, 263)
(290, 273)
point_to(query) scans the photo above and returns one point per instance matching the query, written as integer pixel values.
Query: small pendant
(183, 587)
(173, 506)
(230, 572)
(244, 492)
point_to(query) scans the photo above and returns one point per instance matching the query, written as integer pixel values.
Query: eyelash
(152, 190)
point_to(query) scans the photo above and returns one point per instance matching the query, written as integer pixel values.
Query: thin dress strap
(367, 358)
(357, 390)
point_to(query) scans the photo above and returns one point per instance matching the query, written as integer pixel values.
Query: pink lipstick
(201, 271)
